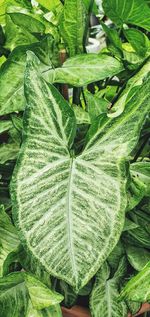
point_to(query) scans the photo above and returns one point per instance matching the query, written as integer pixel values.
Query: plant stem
(76, 95)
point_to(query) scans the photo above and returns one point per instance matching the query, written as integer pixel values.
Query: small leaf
(9, 242)
(134, 288)
(130, 90)
(142, 171)
(96, 105)
(41, 296)
(104, 297)
(138, 257)
(138, 40)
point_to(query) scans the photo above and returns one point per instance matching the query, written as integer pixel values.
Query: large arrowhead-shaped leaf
(135, 12)
(70, 210)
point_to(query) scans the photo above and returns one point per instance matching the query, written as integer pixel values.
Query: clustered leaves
(74, 158)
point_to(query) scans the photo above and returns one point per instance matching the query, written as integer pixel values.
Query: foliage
(74, 158)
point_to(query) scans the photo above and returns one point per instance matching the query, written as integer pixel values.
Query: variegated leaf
(9, 242)
(104, 297)
(70, 209)
(72, 25)
(138, 288)
(84, 69)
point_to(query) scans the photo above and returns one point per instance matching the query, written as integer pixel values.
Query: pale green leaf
(41, 296)
(85, 69)
(73, 244)
(138, 288)
(9, 242)
(72, 25)
(138, 257)
(135, 12)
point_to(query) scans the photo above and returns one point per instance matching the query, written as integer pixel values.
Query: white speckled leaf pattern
(105, 293)
(69, 210)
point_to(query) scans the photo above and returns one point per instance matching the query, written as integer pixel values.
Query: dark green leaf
(135, 12)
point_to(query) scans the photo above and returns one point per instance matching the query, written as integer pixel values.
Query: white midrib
(69, 217)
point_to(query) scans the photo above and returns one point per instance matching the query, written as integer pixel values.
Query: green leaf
(9, 242)
(137, 257)
(12, 74)
(136, 192)
(50, 5)
(53, 311)
(5, 125)
(27, 22)
(135, 12)
(138, 237)
(41, 296)
(138, 288)
(115, 256)
(104, 297)
(84, 69)
(16, 35)
(70, 297)
(114, 39)
(8, 151)
(130, 90)
(138, 40)
(76, 185)
(142, 171)
(82, 116)
(72, 25)
(129, 225)
(30, 264)
(13, 295)
(15, 299)
(134, 307)
(96, 105)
